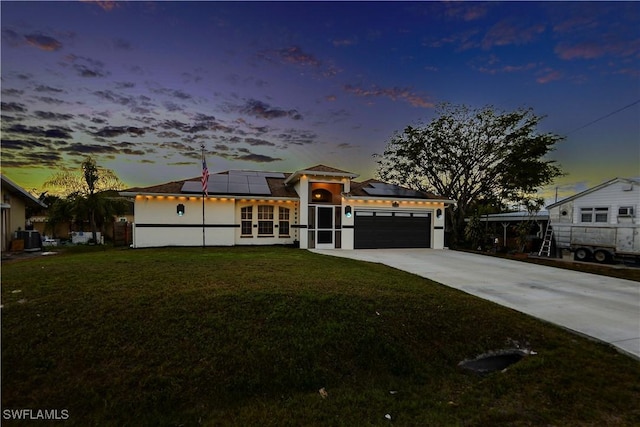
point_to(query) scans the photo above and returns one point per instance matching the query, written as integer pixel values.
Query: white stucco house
(317, 207)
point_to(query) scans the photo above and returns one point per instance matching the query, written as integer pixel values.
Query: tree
(524, 229)
(59, 210)
(473, 231)
(469, 155)
(87, 193)
(92, 179)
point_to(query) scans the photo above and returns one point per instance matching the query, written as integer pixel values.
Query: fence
(122, 234)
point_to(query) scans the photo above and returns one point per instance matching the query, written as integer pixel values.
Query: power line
(604, 117)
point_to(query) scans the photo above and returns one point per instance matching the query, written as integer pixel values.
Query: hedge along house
(318, 207)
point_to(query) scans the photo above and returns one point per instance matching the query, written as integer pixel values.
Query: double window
(265, 220)
(600, 215)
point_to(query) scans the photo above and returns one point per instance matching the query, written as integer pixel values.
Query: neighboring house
(318, 207)
(81, 230)
(601, 222)
(15, 201)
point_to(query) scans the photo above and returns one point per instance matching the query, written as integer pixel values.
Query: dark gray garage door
(386, 229)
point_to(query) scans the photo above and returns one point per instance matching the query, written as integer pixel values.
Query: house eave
(400, 199)
(210, 196)
(6, 182)
(296, 175)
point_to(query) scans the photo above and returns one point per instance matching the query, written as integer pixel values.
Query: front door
(324, 227)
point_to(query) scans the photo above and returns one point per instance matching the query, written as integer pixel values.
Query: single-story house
(15, 201)
(317, 207)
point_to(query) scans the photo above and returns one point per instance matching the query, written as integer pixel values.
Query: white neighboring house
(318, 207)
(599, 223)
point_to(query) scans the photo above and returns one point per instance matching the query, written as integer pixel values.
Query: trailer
(599, 224)
(600, 244)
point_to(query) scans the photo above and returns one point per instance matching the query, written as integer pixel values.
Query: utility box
(32, 240)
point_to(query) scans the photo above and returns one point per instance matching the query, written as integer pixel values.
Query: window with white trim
(283, 225)
(600, 215)
(246, 215)
(265, 220)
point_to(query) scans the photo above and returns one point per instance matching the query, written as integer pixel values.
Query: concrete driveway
(600, 307)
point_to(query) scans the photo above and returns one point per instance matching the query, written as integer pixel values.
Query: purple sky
(283, 86)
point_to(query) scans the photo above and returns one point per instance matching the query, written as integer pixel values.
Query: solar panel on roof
(239, 188)
(259, 189)
(235, 182)
(218, 178)
(242, 173)
(390, 190)
(238, 178)
(192, 187)
(218, 187)
(257, 173)
(256, 180)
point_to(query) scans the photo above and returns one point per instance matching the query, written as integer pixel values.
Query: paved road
(601, 307)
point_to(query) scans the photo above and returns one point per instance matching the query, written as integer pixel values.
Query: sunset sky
(283, 86)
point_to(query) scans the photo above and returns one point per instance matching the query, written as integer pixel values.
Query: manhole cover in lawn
(494, 361)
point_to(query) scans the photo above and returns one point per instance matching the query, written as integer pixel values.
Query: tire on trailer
(582, 254)
(601, 256)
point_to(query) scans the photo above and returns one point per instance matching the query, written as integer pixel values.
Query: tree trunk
(457, 226)
(94, 227)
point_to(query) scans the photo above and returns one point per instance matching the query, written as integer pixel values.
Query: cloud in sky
(584, 50)
(43, 42)
(393, 93)
(52, 116)
(290, 55)
(507, 33)
(15, 107)
(106, 5)
(594, 49)
(51, 132)
(548, 75)
(111, 132)
(257, 158)
(345, 42)
(260, 109)
(469, 12)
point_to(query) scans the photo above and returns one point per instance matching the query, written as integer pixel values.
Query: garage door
(392, 229)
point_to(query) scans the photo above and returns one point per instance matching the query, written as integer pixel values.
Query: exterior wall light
(439, 213)
(347, 211)
(180, 209)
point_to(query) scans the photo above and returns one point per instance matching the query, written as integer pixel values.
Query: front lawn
(249, 336)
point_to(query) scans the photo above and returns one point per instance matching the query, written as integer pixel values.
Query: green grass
(248, 336)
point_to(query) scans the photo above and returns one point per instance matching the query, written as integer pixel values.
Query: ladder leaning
(545, 249)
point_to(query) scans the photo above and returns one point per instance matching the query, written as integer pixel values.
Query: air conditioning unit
(625, 211)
